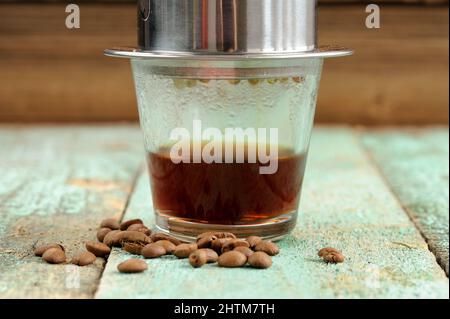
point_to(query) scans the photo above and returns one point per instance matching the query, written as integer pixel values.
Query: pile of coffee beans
(229, 251)
(134, 237)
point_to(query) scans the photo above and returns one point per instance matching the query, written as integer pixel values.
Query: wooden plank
(345, 204)
(56, 184)
(415, 163)
(395, 71)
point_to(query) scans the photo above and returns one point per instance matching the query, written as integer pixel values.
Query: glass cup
(226, 142)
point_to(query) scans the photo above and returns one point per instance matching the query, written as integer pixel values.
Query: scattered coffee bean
(253, 241)
(132, 266)
(244, 250)
(205, 241)
(168, 246)
(134, 227)
(217, 234)
(83, 259)
(260, 259)
(140, 228)
(98, 249)
(161, 236)
(128, 223)
(327, 250)
(218, 244)
(232, 244)
(232, 259)
(112, 239)
(331, 255)
(153, 251)
(40, 250)
(268, 247)
(133, 236)
(54, 256)
(211, 255)
(101, 233)
(184, 250)
(110, 223)
(334, 258)
(197, 258)
(132, 247)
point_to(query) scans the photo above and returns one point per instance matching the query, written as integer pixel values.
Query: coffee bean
(205, 242)
(110, 223)
(244, 250)
(184, 250)
(211, 255)
(218, 244)
(132, 266)
(327, 250)
(334, 258)
(168, 246)
(153, 251)
(162, 236)
(132, 247)
(216, 234)
(253, 241)
(40, 250)
(134, 227)
(101, 233)
(224, 235)
(230, 245)
(98, 249)
(54, 256)
(260, 259)
(232, 259)
(133, 236)
(331, 255)
(83, 259)
(111, 239)
(197, 258)
(130, 222)
(140, 228)
(268, 247)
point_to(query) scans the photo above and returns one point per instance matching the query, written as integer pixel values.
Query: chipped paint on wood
(415, 162)
(345, 204)
(56, 184)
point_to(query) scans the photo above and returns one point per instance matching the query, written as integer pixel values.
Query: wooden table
(381, 196)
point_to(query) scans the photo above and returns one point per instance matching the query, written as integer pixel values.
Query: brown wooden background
(399, 74)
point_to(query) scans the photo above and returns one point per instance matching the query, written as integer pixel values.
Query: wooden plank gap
(416, 222)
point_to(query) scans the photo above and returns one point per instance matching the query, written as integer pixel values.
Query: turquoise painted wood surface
(415, 164)
(57, 183)
(345, 204)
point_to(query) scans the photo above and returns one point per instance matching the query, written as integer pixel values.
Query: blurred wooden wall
(399, 74)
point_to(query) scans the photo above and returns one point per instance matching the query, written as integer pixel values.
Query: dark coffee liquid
(225, 193)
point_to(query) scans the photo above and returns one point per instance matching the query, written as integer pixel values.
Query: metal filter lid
(227, 30)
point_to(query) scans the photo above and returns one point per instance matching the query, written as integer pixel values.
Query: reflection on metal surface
(227, 26)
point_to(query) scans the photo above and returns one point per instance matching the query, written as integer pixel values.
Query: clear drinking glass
(272, 103)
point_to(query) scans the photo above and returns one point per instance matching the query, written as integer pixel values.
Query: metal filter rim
(327, 51)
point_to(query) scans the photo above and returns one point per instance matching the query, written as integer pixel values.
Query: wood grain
(56, 184)
(398, 75)
(345, 204)
(415, 163)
